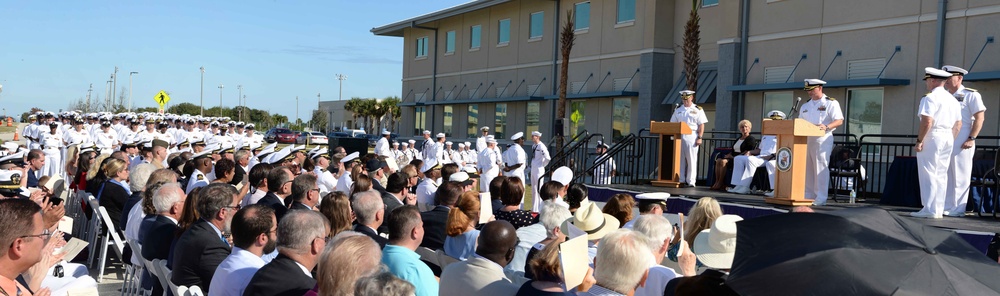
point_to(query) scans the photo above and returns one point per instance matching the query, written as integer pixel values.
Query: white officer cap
(563, 175)
(406, 144)
(602, 144)
(954, 70)
(485, 128)
(321, 152)
(931, 72)
(395, 144)
(203, 153)
(659, 198)
(411, 141)
(386, 133)
(516, 136)
(813, 83)
(685, 93)
(491, 139)
(448, 143)
(429, 166)
(776, 115)
(11, 146)
(461, 145)
(10, 182)
(277, 157)
(350, 157)
(439, 135)
(536, 133)
(468, 144)
(427, 132)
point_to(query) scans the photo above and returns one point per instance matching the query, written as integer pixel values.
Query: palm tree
(692, 32)
(368, 111)
(353, 105)
(390, 107)
(566, 38)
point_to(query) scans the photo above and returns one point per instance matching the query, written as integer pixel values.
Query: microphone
(795, 107)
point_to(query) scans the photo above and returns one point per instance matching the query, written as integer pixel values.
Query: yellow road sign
(161, 98)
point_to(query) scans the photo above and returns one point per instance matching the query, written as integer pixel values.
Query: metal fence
(635, 158)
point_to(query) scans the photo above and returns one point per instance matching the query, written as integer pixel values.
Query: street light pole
(341, 77)
(296, 109)
(114, 84)
(220, 98)
(107, 94)
(240, 88)
(91, 89)
(202, 91)
(317, 108)
(130, 90)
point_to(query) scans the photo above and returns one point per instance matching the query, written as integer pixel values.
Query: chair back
(116, 240)
(166, 275)
(155, 269)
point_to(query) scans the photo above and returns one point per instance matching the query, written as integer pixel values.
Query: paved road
(10, 136)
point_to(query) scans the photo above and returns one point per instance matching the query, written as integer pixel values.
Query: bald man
(484, 272)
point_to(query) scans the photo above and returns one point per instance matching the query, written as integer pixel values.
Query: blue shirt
(406, 264)
(234, 273)
(461, 246)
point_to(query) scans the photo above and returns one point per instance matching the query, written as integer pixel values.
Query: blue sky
(50, 52)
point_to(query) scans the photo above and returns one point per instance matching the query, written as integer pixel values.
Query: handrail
(573, 155)
(613, 151)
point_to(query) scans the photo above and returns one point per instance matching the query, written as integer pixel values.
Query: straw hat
(595, 223)
(716, 246)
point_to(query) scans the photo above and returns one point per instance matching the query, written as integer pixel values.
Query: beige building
(495, 62)
(337, 117)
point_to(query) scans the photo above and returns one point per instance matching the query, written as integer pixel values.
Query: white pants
(771, 166)
(959, 174)
(536, 187)
(932, 165)
(486, 178)
(53, 162)
(744, 167)
(689, 159)
(818, 167)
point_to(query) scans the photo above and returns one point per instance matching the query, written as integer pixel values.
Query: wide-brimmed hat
(595, 223)
(716, 246)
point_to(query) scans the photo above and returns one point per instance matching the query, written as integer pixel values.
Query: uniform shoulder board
(699, 108)
(971, 89)
(927, 94)
(831, 98)
(201, 177)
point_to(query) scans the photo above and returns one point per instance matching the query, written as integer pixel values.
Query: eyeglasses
(315, 189)
(237, 207)
(45, 235)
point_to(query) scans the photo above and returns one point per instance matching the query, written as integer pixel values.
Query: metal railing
(574, 154)
(635, 158)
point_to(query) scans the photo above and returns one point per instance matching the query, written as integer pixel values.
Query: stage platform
(979, 231)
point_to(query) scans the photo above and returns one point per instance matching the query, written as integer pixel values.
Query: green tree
(692, 40)
(354, 105)
(184, 108)
(567, 37)
(319, 120)
(390, 105)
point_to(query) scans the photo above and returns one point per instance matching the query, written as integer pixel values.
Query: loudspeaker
(350, 145)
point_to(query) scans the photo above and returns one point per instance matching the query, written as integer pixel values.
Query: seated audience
(715, 248)
(114, 192)
(483, 273)
(348, 257)
(575, 196)
(435, 220)
(370, 212)
(254, 234)
(336, 207)
(383, 284)
(622, 263)
(199, 250)
(461, 226)
(405, 234)
(620, 206)
(396, 194)
(743, 144)
(305, 193)
(257, 178)
(24, 239)
(279, 187)
(302, 237)
(168, 200)
(699, 217)
(650, 203)
(511, 194)
(596, 224)
(552, 217)
(660, 232)
(495, 187)
(548, 279)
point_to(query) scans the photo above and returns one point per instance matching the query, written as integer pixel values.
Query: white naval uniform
(694, 117)
(325, 180)
(488, 163)
(825, 111)
(744, 166)
(515, 155)
(456, 157)
(539, 159)
(382, 147)
(935, 158)
(345, 183)
(196, 180)
(399, 157)
(105, 140)
(76, 137)
(51, 145)
(29, 133)
(427, 153)
(480, 145)
(469, 156)
(425, 194)
(602, 173)
(960, 171)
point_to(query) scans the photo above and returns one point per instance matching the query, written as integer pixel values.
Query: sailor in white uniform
(973, 114)
(604, 172)
(694, 117)
(745, 165)
(203, 165)
(382, 145)
(825, 113)
(324, 178)
(940, 122)
(488, 163)
(515, 159)
(481, 141)
(51, 143)
(539, 159)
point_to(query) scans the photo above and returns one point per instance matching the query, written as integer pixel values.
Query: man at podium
(825, 113)
(695, 118)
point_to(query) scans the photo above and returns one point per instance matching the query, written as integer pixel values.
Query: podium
(670, 151)
(790, 159)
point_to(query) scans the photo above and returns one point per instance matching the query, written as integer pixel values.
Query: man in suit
(279, 186)
(396, 195)
(370, 213)
(484, 274)
(377, 170)
(254, 234)
(301, 239)
(305, 193)
(169, 203)
(436, 219)
(200, 249)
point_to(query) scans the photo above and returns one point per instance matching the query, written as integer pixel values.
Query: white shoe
(741, 189)
(816, 203)
(956, 214)
(923, 214)
(769, 193)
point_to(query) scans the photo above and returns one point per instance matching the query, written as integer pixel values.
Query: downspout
(555, 66)
(939, 42)
(434, 69)
(744, 47)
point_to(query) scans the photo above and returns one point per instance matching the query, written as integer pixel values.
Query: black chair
(845, 162)
(989, 179)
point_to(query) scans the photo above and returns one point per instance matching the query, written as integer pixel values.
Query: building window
(449, 114)
(581, 16)
(577, 118)
(422, 47)
(621, 118)
(500, 121)
(707, 3)
(626, 11)
(419, 125)
(503, 36)
(533, 115)
(473, 127)
(449, 42)
(780, 101)
(864, 111)
(536, 25)
(474, 36)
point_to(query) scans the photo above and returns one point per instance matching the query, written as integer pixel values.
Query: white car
(313, 138)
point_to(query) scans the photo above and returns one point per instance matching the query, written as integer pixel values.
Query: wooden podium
(670, 151)
(790, 159)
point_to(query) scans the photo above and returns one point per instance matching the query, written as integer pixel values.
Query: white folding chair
(162, 265)
(188, 291)
(93, 230)
(110, 237)
(156, 271)
(132, 284)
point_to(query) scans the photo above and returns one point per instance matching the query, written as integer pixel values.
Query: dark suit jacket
(113, 198)
(368, 231)
(709, 282)
(750, 143)
(391, 203)
(197, 253)
(299, 206)
(131, 202)
(270, 199)
(281, 277)
(156, 244)
(434, 227)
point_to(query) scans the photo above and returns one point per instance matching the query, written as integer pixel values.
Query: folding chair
(93, 230)
(845, 163)
(155, 270)
(188, 291)
(162, 265)
(133, 284)
(110, 237)
(989, 179)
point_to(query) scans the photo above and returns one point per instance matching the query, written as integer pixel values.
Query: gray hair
(240, 155)
(213, 198)
(299, 227)
(623, 256)
(365, 205)
(656, 227)
(553, 215)
(383, 283)
(301, 186)
(165, 197)
(139, 175)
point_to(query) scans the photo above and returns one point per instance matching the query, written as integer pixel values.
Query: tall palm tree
(390, 110)
(353, 105)
(566, 39)
(692, 38)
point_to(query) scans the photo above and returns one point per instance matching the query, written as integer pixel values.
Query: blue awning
(705, 94)
(982, 76)
(829, 84)
(475, 101)
(596, 95)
